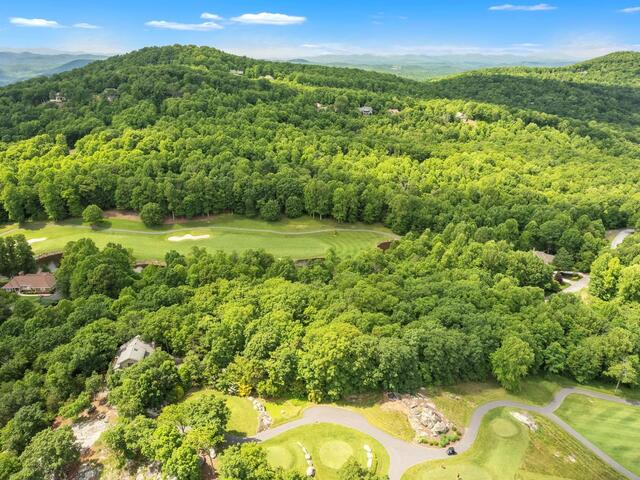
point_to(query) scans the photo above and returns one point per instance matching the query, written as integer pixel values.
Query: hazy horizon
(566, 29)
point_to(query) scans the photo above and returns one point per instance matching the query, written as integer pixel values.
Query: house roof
(545, 257)
(134, 350)
(42, 280)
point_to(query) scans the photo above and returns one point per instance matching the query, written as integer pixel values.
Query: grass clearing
(612, 427)
(390, 421)
(506, 449)
(300, 238)
(458, 402)
(244, 419)
(329, 445)
(285, 410)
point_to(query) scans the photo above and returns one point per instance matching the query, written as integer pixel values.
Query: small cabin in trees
(366, 110)
(238, 73)
(57, 98)
(320, 107)
(132, 352)
(393, 111)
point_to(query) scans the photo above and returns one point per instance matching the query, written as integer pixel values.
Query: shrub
(92, 214)
(152, 215)
(270, 211)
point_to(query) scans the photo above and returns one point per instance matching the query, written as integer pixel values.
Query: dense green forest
(475, 169)
(535, 159)
(434, 310)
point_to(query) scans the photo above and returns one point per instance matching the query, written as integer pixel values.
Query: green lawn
(369, 406)
(386, 419)
(459, 401)
(244, 419)
(299, 238)
(329, 445)
(506, 449)
(612, 427)
(285, 410)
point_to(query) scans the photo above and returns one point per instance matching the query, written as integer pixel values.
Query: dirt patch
(131, 215)
(122, 214)
(423, 416)
(188, 236)
(90, 425)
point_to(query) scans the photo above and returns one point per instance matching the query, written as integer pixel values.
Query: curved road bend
(576, 286)
(404, 455)
(620, 236)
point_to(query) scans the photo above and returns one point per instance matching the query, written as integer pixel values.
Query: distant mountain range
(16, 66)
(422, 67)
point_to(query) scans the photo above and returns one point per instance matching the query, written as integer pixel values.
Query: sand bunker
(36, 240)
(188, 236)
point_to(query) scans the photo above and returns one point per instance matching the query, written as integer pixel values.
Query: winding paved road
(576, 286)
(620, 236)
(404, 455)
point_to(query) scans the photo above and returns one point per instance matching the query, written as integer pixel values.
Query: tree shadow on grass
(101, 225)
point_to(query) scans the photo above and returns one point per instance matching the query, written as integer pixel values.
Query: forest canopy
(475, 171)
(542, 158)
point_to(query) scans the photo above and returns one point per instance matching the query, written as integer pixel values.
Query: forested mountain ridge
(542, 163)
(21, 65)
(181, 129)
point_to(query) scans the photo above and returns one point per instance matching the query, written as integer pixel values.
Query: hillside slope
(541, 162)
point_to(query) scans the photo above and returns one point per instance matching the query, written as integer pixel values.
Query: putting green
(613, 427)
(329, 445)
(504, 428)
(506, 449)
(282, 456)
(299, 238)
(335, 453)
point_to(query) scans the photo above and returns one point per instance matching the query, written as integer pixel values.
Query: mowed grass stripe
(613, 427)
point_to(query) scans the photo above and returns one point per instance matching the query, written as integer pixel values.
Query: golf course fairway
(612, 427)
(507, 449)
(300, 238)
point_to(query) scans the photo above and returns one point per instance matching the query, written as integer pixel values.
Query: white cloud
(210, 16)
(86, 26)
(194, 27)
(34, 22)
(540, 7)
(630, 10)
(266, 18)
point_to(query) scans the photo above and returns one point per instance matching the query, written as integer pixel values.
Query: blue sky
(286, 29)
